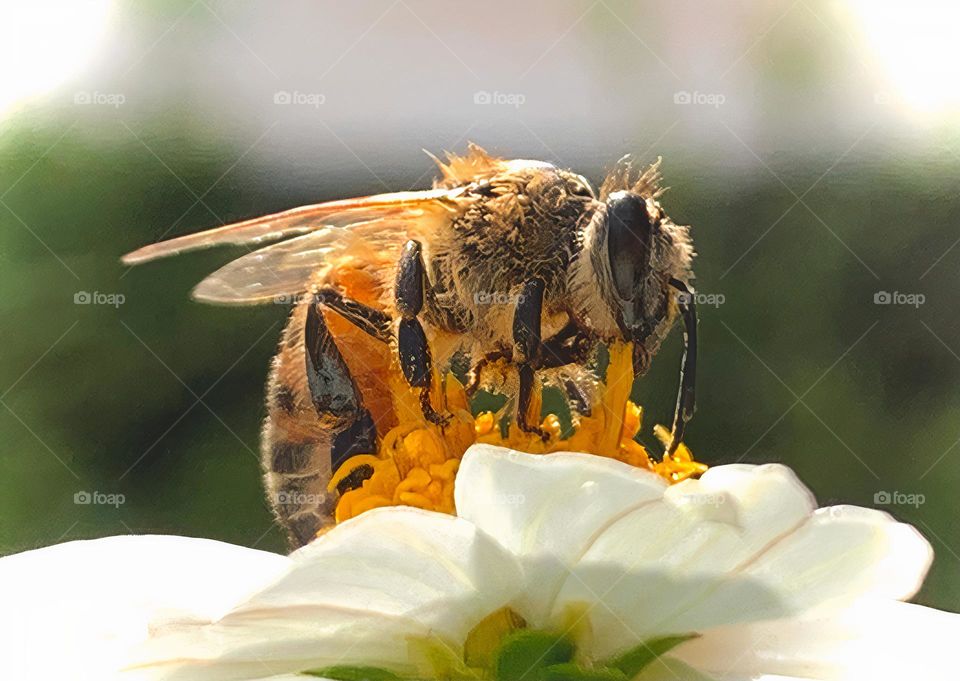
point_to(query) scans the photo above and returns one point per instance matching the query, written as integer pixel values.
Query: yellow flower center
(417, 461)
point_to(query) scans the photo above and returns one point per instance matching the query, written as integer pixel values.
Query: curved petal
(844, 553)
(876, 640)
(739, 545)
(74, 609)
(547, 509)
(358, 595)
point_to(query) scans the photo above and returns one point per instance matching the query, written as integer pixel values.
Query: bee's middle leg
(374, 322)
(413, 349)
(527, 350)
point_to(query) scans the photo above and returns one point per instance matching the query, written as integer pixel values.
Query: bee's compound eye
(628, 240)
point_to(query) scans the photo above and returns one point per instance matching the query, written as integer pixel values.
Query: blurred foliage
(160, 398)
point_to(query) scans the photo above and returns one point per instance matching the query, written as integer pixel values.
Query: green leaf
(634, 660)
(437, 658)
(484, 639)
(348, 673)
(574, 672)
(524, 654)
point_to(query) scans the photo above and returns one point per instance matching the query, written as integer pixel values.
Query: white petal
(74, 609)
(876, 640)
(547, 509)
(737, 547)
(354, 596)
(843, 553)
(669, 567)
(669, 669)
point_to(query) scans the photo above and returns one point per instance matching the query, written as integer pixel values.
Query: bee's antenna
(686, 398)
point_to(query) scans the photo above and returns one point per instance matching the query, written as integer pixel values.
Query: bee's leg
(528, 349)
(570, 345)
(686, 399)
(412, 346)
(312, 426)
(578, 399)
(334, 394)
(375, 322)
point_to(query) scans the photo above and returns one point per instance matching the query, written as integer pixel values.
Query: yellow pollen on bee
(417, 461)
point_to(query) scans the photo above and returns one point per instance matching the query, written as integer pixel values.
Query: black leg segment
(527, 349)
(526, 322)
(411, 280)
(578, 399)
(410, 292)
(414, 353)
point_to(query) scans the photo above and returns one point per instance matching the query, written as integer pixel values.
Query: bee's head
(631, 252)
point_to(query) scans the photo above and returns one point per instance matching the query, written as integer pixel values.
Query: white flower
(773, 588)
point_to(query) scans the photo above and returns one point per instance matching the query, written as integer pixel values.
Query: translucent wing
(375, 226)
(281, 271)
(298, 221)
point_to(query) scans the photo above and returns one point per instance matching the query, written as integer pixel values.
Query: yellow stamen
(417, 461)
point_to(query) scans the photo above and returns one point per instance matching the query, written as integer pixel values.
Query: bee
(515, 263)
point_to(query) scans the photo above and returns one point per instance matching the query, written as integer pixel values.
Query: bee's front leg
(527, 349)
(414, 351)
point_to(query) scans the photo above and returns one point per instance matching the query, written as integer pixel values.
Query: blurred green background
(816, 184)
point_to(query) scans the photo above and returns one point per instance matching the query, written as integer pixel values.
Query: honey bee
(510, 263)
